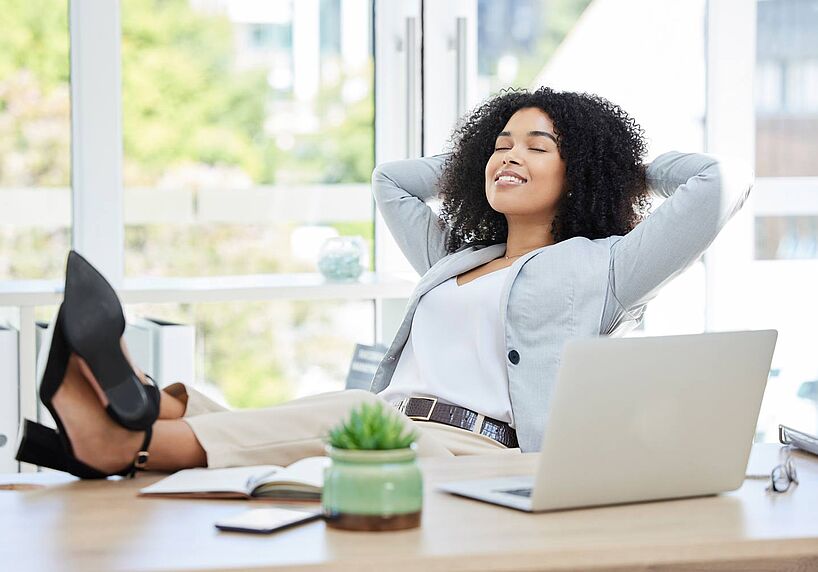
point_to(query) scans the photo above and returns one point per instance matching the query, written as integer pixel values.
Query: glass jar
(342, 258)
(372, 490)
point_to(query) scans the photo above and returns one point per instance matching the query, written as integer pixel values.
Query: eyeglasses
(782, 476)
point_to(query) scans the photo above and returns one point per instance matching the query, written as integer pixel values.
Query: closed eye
(530, 149)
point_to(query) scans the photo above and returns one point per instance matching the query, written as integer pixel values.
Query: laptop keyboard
(519, 492)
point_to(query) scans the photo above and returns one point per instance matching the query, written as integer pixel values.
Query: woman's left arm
(703, 193)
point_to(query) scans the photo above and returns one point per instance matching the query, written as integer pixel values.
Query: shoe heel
(43, 446)
(93, 324)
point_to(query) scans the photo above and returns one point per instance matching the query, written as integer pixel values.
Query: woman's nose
(510, 156)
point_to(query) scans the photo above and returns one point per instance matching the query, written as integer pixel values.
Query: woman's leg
(216, 437)
(170, 407)
(103, 444)
(188, 401)
(277, 435)
(174, 446)
(287, 432)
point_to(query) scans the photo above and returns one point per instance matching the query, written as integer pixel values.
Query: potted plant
(373, 482)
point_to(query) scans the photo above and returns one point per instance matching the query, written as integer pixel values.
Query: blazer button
(514, 357)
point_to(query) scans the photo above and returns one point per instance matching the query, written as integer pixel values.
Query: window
(35, 140)
(517, 38)
(247, 130)
(240, 158)
(787, 129)
(248, 141)
(257, 354)
(786, 237)
(781, 291)
(787, 88)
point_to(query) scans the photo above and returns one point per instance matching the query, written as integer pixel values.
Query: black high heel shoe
(46, 447)
(90, 323)
(43, 446)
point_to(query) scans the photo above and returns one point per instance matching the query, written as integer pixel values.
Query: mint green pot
(372, 490)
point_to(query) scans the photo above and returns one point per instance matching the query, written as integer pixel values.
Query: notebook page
(234, 479)
(309, 471)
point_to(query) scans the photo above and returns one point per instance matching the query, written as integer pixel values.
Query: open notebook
(300, 481)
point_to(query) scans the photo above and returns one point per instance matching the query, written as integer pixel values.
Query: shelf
(304, 286)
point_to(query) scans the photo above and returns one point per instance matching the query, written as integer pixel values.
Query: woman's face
(525, 175)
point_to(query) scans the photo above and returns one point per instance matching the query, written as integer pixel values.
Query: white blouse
(456, 349)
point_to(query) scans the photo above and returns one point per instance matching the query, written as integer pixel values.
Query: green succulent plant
(371, 428)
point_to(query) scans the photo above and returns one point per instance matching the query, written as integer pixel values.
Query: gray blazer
(575, 288)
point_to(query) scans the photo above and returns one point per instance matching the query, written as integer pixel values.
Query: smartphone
(266, 520)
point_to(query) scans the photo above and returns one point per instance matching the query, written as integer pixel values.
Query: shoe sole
(93, 324)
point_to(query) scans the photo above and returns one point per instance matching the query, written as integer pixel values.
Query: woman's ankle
(174, 446)
(95, 439)
(173, 401)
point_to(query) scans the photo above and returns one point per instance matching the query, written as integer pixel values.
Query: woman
(540, 239)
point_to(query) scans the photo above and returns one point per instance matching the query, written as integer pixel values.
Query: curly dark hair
(605, 190)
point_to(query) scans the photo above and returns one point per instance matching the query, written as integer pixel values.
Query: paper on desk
(45, 478)
(764, 457)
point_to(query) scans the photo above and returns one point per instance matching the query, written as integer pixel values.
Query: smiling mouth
(509, 180)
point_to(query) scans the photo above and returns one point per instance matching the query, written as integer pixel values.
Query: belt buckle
(431, 408)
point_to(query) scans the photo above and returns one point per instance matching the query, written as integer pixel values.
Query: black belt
(428, 409)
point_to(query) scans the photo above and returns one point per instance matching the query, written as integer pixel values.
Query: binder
(365, 361)
(43, 341)
(139, 341)
(797, 439)
(172, 350)
(9, 399)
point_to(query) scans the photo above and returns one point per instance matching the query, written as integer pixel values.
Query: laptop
(642, 419)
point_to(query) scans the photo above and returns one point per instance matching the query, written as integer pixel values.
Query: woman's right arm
(703, 193)
(400, 189)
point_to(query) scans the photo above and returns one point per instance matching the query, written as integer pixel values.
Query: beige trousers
(285, 433)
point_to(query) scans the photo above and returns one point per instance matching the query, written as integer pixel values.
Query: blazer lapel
(456, 264)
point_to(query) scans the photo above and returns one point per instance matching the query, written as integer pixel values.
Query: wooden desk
(104, 526)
